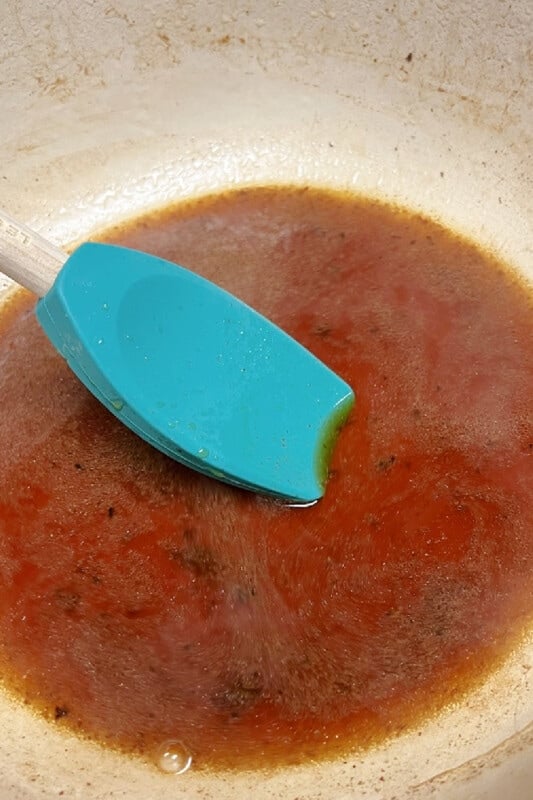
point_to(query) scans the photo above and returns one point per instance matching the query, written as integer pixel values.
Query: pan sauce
(141, 603)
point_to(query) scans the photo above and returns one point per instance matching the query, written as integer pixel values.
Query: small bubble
(100, 341)
(117, 403)
(173, 758)
(203, 452)
(105, 307)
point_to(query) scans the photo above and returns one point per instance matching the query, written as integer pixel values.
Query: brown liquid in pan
(141, 603)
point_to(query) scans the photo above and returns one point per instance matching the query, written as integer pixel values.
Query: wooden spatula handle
(26, 257)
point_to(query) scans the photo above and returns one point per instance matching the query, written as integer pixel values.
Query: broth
(142, 603)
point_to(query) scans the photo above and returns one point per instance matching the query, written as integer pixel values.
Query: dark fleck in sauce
(141, 603)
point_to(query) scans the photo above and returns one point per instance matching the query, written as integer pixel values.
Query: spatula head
(196, 372)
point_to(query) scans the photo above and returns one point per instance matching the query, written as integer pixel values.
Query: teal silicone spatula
(187, 366)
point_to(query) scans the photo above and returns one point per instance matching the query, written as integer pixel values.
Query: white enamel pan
(111, 107)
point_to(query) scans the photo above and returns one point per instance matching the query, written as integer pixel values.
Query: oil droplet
(203, 452)
(173, 758)
(118, 404)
